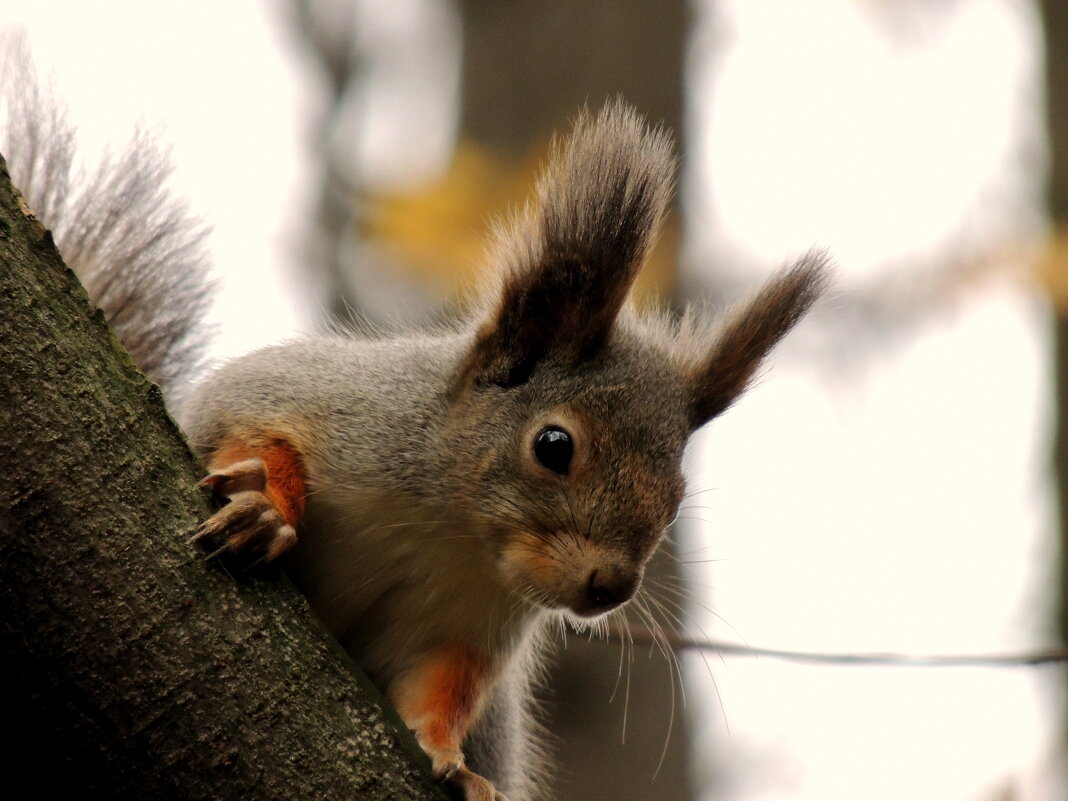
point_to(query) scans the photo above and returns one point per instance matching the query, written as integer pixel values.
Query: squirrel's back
(318, 385)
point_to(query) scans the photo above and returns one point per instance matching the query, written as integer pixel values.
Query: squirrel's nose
(608, 587)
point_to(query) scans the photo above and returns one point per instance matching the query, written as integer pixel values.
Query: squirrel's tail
(140, 255)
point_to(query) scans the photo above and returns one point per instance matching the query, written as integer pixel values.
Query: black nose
(607, 588)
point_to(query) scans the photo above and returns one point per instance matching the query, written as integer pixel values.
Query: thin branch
(1041, 656)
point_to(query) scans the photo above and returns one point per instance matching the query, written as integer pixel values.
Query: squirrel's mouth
(569, 574)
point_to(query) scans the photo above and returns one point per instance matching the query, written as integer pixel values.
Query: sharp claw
(203, 530)
(217, 552)
(248, 526)
(254, 564)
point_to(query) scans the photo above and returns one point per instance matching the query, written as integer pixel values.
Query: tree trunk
(1055, 23)
(132, 668)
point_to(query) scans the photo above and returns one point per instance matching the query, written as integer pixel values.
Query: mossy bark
(132, 668)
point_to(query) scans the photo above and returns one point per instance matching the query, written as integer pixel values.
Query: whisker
(685, 593)
(695, 519)
(619, 671)
(654, 627)
(658, 606)
(698, 492)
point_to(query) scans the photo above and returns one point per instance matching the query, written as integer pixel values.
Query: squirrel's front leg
(439, 698)
(262, 483)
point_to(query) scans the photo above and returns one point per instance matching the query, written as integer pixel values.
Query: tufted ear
(568, 263)
(751, 331)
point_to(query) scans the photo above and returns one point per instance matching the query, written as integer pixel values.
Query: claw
(249, 475)
(217, 552)
(248, 524)
(474, 787)
(448, 765)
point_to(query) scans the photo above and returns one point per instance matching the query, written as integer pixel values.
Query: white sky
(898, 504)
(219, 82)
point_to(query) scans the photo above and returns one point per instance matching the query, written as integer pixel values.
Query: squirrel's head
(571, 410)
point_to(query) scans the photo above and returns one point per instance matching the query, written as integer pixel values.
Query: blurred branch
(906, 294)
(902, 297)
(640, 635)
(327, 33)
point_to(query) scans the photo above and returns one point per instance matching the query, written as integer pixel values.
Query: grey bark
(131, 667)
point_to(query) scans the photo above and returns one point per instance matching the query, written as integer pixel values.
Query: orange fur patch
(442, 696)
(286, 485)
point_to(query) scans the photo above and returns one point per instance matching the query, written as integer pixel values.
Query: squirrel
(443, 497)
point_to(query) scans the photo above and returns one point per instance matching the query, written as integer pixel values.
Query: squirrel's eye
(554, 449)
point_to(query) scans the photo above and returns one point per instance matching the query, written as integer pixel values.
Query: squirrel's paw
(474, 787)
(444, 762)
(248, 525)
(448, 766)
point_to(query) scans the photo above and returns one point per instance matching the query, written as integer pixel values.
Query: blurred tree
(1055, 22)
(528, 66)
(327, 33)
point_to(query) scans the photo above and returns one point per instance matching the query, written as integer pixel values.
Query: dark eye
(554, 449)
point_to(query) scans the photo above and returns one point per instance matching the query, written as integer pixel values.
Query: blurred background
(891, 487)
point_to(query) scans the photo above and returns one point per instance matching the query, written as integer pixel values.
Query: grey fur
(426, 502)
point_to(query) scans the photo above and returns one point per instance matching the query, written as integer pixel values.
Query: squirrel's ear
(725, 371)
(567, 264)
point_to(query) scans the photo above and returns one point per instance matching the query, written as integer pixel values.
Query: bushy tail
(135, 247)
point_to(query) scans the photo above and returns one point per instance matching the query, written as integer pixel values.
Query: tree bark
(131, 667)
